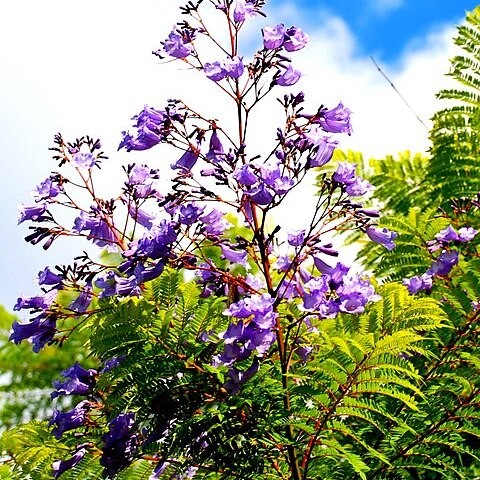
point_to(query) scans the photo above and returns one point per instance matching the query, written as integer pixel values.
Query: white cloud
(384, 7)
(89, 70)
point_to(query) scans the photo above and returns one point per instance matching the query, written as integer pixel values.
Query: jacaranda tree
(226, 347)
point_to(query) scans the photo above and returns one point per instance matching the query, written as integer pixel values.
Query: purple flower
(177, 45)
(32, 212)
(465, 234)
(382, 236)
(79, 381)
(152, 126)
(245, 175)
(120, 444)
(239, 377)
(84, 160)
(243, 9)
(355, 293)
(47, 190)
(215, 70)
(270, 172)
(316, 288)
(358, 187)
(47, 277)
(215, 151)
(296, 237)
(60, 466)
(289, 77)
(141, 180)
(41, 302)
(447, 235)
(260, 194)
(107, 283)
(345, 173)
(444, 263)
(112, 363)
(141, 216)
(322, 152)
(273, 36)
(214, 223)
(282, 185)
(417, 283)
(70, 420)
(220, 69)
(234, 67)
(295, 39)
(187, 161)
(82, 302)
(234, 256)
(100, 232)
(336, 120)
(190, 213)
(41, 331)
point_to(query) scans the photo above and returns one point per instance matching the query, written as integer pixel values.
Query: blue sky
(88, 70)
(385, 28)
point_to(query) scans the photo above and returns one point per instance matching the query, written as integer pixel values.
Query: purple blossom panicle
(418, 282)
(70, 420)
(444, 263)
(382, 236)
(295, 39)
(60, 466)
(78, 381)
(120, 444)
(32, 212)
(273, 37)
(336, 120)
(289, 77)
(40, 331)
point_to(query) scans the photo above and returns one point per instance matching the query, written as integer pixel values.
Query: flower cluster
(445, 261)
(256, 269)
